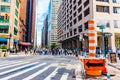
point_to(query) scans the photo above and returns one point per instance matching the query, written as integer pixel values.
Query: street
(46, 67)
(41, 67)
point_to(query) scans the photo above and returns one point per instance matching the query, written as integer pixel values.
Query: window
(5, 0)
(4, 28)
(102, 9)
(17, 3)
(74, 8)
(116, 10)
(103, 22)
(71, 24)
(80, 17)
(75, 31)
(86, 25)
(67, 34)
(75, 21)
(86, 12)
(116, 1)
(79, 9)
(79, 2)
(74, 14)
(16, 22)
(103, 0)
(86, 3)
(16, 12)
(116, 23)
(80, 28)
(4, 8)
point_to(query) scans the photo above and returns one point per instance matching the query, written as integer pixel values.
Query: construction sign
(94, 64)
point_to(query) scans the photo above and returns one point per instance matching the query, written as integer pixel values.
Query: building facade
(54, 6)
(45, 33)
(30, 21)
(75, 16)
(9, 27)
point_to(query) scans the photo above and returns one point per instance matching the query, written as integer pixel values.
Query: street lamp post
(9, 40)
(103, 47)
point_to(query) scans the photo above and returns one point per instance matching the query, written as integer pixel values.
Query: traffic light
(6, 17)
(62, 31)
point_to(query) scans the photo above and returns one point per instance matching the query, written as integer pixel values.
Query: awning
(15, 41)
(3, 39)
(4, 26)
(24, 43)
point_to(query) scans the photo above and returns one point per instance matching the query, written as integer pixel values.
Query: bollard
(1, 54)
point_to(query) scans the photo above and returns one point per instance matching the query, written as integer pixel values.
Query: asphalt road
(38, 67)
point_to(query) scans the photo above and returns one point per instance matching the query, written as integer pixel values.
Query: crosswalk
(19, 70)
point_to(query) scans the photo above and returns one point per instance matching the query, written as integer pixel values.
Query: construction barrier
(94, 66)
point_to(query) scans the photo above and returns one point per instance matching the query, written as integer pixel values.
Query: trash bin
(1, 54)
(113, 58)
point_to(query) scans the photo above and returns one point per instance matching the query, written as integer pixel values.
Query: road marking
(52, 74)
(19, 73)
(64, 76)
(5, 72)
(12, 65)
(37, 73)
(8, 63)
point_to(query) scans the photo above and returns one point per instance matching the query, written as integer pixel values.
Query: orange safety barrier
(91, 34)
(91, 28)
(92, 47)
(92, 54)
(91, 41)
(91, 22)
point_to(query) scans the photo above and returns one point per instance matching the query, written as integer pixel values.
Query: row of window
(114, 1)
(106, 9)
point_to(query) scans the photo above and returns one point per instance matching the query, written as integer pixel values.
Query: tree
(53, 45)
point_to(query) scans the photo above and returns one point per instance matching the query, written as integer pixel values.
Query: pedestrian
(118, 52)
(25, 51)
(97, 51)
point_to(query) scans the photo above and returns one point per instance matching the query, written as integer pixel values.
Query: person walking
(118, 52)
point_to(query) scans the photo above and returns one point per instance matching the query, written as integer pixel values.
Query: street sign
(108, 34)
(102, 27)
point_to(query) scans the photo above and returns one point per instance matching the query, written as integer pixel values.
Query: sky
(42, 10)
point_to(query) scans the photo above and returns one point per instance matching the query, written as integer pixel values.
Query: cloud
(42, 10)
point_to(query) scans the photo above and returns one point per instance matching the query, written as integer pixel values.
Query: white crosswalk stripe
(52, 74)
(5, 72)
(6, 78)
(4, 63)
(64, 76)
(31, 71)
(4, 67)
(37, 73)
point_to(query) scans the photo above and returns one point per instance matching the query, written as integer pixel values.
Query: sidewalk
(18, 54)
(115, 65)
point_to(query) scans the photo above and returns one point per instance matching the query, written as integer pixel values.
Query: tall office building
(75, 16)
(45, 33)
(9, 27)
(30, 21)
(54, 5)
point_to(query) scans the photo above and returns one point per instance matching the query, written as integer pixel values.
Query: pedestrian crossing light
(6, 17)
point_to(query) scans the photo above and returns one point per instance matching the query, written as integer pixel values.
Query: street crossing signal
(6, 17)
